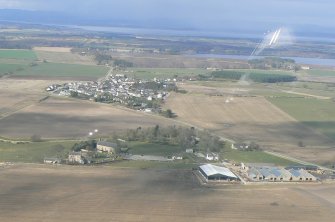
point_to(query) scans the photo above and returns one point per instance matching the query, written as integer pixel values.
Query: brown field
(22, 114)
(62, 55)
(72, 118)
(52, 49)
(251, 119)
(18, 94)
(63, 193)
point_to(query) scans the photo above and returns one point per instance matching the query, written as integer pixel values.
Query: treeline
(173, 135)
(274, 63)
(227, 74)
(122, 63)
(271, 78)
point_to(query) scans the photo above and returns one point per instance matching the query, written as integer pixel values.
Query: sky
(194, 14)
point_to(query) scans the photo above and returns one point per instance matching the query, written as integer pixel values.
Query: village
(118, 88)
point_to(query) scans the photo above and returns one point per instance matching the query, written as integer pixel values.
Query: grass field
(11, 68)
(64, 70)
(139, 164)
(262, 71)
(150, 73)
(255, 157)
(153, 149)
(33, 152)
(320, 72)
(315, 113)
(17, 54)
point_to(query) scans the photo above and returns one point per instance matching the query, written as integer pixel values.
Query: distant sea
(192, 33)
(146, 32)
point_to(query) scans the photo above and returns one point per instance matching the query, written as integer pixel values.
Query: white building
(217, 173)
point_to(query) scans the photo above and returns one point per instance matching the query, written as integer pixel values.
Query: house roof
(211, 170)
(109, 144)
(300, 173)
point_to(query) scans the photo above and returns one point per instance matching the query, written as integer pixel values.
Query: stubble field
(63, 193)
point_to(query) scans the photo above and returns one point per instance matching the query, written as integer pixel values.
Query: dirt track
(42, 193)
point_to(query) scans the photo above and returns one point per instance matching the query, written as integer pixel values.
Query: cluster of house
(210, 156)
(277, 174)
(116, 88)
(83, 156)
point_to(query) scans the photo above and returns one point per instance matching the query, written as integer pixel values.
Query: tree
(187, 137)
(74, 94)
(36, 138)
(209, 143)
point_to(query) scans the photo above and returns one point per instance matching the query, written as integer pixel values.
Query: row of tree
(271, 78)
(173, 135)
(227, 74)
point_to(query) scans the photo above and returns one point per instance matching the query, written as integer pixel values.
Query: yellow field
(62, 55)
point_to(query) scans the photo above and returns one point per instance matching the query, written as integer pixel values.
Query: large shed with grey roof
(108, 147)
(279, 174)
(212, 172)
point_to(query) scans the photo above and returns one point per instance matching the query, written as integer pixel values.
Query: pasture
(315, 113)
(11, 68)
(255, 157)
(62, 70)
(144, 148)
(320, 72)
(69, 193)
(17, 54)
(160, 73)
(33, 152)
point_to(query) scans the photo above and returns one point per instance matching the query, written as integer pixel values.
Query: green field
(63, 70)
(33, 152)
(11, 68)
(254, 157)
(316, 113)
(262, 71)
(320, 72)
(153, 149)
(150, 73)
(154, 164)
(17, 54)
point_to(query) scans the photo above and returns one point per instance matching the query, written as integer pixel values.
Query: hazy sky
(194, 13)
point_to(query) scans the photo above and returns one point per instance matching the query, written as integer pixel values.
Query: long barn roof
(211, 170)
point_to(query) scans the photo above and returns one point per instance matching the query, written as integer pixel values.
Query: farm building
(76, 158)
(52, 160)
(269, 174)
(277, 174)
(301, 175)
(106, 147)
(304, 167)
(212, 172)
